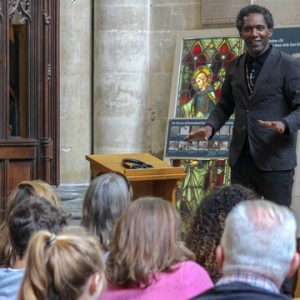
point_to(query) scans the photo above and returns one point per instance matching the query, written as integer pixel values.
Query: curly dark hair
(254, 9)
(208, 222)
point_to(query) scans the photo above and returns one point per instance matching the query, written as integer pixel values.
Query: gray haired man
(257, 252)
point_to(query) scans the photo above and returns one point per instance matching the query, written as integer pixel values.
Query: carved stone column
(121, 77)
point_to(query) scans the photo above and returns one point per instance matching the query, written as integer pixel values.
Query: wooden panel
(4, 76)
(3, 184)
(166, 189)
(46, 159)
(19, 170)
(21, 150)
(17, 163)
(142, 189)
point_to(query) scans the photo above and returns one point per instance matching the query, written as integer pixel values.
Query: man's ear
(270, 32)
(96, 284)
(293, 265)
(220, 257)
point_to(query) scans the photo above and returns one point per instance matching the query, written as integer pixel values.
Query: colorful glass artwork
(202, 70)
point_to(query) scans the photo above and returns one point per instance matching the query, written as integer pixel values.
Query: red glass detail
(220, 177)
(202, 59)
(216, 78)
(184, 99)
(230, 56)
(189, 61)
(188, 58)
(197, 49)
(224, 49)
(218, 93)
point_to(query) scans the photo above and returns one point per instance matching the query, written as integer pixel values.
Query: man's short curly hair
(254, 9)
(208, 224)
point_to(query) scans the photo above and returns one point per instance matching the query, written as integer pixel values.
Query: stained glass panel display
(203, 65)
(202, 72)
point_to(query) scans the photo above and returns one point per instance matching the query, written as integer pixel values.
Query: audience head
(105, 199)
(32, 188)
(62, 267)
(254, 9)
(208, 224)
(22, 191)
(29, 216)
(146, 240)
(259, 237)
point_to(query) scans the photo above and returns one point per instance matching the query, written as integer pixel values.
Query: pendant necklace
(250, 79)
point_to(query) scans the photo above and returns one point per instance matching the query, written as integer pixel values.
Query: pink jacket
(189, 280)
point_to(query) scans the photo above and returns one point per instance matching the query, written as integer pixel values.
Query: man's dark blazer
(276, 97)
(238, 291)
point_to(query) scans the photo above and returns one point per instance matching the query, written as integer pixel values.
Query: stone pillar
(121, 77)
(75, 90)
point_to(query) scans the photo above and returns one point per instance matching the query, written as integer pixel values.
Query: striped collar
(251, 279)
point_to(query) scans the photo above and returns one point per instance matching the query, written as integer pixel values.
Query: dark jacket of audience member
(208, 224)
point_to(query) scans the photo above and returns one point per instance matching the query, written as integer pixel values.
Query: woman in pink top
(147, 260)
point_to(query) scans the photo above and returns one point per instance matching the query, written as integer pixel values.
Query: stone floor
(71, 201)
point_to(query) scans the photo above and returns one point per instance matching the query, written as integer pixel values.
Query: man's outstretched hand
(276, 126)
(202, 133)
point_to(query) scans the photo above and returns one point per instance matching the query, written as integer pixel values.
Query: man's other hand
(276, 126)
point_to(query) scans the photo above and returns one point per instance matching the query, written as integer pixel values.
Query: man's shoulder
(238, 290)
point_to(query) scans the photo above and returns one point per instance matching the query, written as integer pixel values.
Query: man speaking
(262, 88)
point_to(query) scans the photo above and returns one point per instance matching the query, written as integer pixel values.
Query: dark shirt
(254, 65)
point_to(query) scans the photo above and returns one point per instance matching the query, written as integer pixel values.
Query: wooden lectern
(160, 181)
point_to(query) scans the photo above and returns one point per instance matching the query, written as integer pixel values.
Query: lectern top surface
(112, 162)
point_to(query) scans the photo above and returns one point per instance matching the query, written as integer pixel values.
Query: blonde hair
(38, 187)
(58, 267)
(145, 241)
(22, 190)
